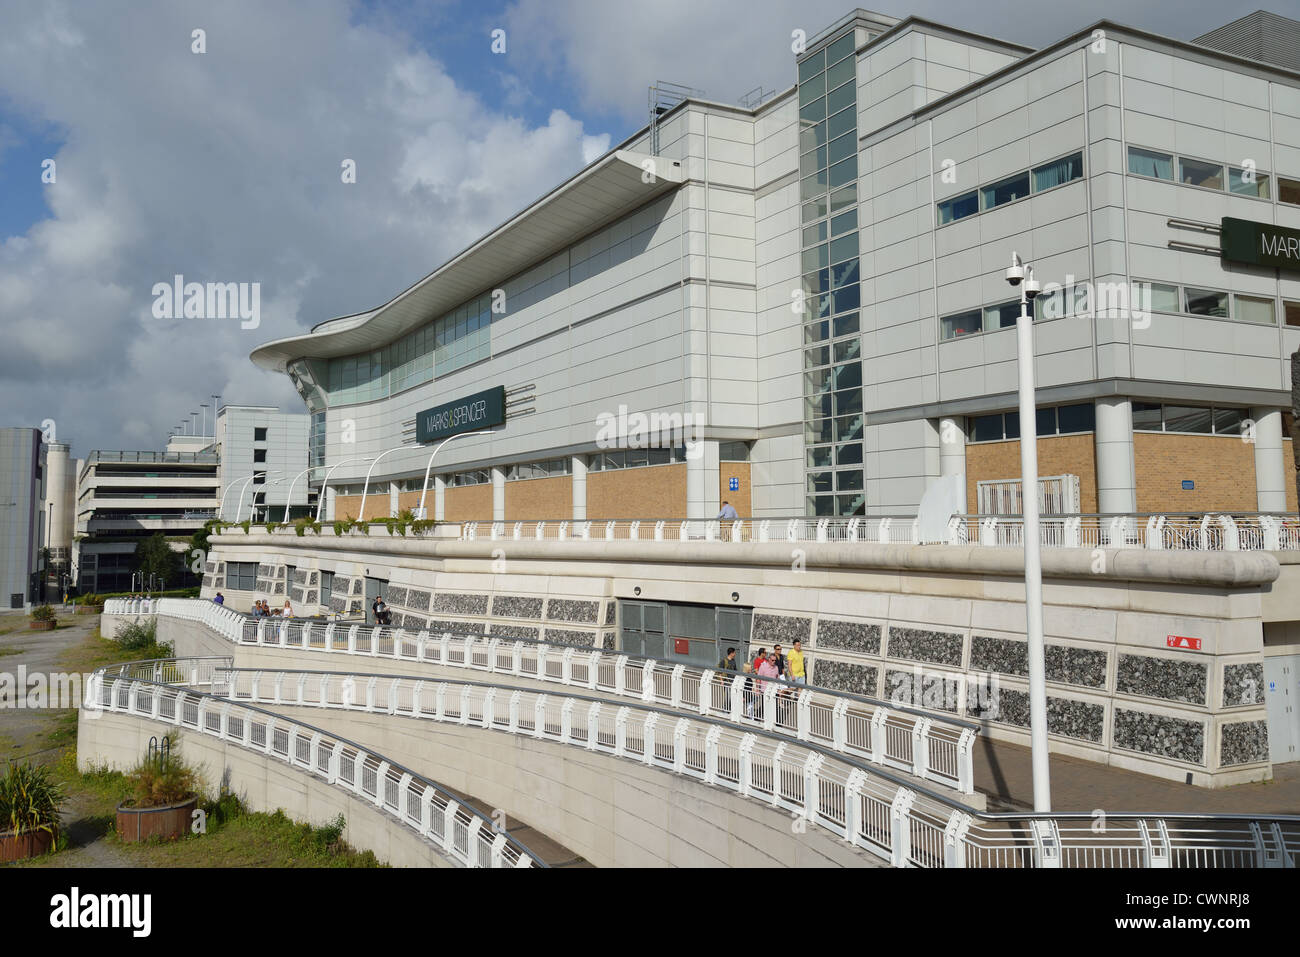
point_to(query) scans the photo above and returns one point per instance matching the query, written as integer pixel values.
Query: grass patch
(97, 651)
(10, 651)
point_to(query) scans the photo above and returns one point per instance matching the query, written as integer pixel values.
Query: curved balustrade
(933, 749)
(1205, 532)
(166, 690)
(907, 826)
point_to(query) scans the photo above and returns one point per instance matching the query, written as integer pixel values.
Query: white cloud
(225, 167)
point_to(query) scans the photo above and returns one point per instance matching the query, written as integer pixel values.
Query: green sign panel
(473, 413)
(1259, 244)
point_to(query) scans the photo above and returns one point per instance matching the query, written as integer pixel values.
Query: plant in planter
(30, 801)
(42, 619)
(300, 526)
(166, 794)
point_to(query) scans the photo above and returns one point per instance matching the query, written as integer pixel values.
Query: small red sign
(681, 646)
(1178, 641)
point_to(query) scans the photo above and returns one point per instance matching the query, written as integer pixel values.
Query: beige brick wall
(657, 491)
(1222, 466)
(530, 500)
(377, 506)
(741, 501)
(1057, 455)
(468, 503)
(1288, 459)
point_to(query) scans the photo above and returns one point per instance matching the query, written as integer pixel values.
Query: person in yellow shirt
(795, 664)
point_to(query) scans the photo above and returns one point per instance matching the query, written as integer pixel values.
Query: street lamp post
(1023, 276)
(320, 504)
(366, 487)
(289, 499)
(429, 468)
(221, 509)
(239, 509)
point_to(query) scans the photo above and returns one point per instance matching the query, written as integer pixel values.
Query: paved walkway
(1003, 772)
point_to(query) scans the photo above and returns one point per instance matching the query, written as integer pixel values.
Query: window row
(845, 350)
(1060, 301)
(836, 201)
(829, 55)
(1195, 301)
(837, 505)
(636, 458)
(1209, 174)
(547, 469)
(1054, 420)
(825, 329)
(1196, 420)
(1035, 180)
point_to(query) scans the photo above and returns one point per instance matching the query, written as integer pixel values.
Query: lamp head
(1032, 286)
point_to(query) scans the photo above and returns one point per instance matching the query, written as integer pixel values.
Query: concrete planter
(166, 821)
(90, 609)
(18, 847)
(41, 625)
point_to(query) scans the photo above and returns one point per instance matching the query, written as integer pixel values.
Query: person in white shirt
(728, 512)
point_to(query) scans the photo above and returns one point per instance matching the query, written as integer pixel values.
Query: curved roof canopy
(607, 189)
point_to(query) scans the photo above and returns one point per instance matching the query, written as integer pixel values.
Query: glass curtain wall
(828, 169)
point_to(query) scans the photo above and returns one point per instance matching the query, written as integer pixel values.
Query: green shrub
(91, 599)
(138, 634)
(272, 526)
(156, 783)
(43, 613)
(300, 525)
(422, 525)
(30, 799)
(245, 525)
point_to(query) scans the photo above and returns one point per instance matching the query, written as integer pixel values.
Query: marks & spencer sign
(1259, 244)
(472, 413)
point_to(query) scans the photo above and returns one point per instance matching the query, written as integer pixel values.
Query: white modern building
(799, 307)
(263, 454)
(22, 517)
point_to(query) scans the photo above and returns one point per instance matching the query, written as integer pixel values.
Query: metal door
(374, 586)
(1281, 696)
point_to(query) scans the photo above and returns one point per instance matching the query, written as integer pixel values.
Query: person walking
(766, 669)
(728, 661)
(219, 599)
(728, 512)
(798, 672)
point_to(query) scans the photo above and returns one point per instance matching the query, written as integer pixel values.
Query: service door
(374, 586)
(1281, 695)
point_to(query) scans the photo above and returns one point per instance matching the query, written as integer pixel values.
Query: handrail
(442, 817)
(905, 824)
(938, 749)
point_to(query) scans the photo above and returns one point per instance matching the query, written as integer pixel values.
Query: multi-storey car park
(799, 308)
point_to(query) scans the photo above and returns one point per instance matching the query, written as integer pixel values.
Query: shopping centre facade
(809, 296)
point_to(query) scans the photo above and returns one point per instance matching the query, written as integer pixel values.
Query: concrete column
(952, 452)
(439, 498)
(498, 494)
(1116, 478)
(393, 501)
(702, 500)
(1270, 466)
(579, 468)
(330, 495)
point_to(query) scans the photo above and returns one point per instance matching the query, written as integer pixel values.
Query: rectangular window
(1076, 418)
(1288, 190)
(733, 451)
(1292, 312)
(962, 324)
(259, 455)
(1248, 182)
(841, 48)
(842, 148)
(811, 137)
(1001, 316)
(810, 67)
(326, 587)
(814, 210)
(812, 88)
(844, 172)
(1009, 190)
(241, 576)
(1255, 309)
(1228, 421)
(1150, 163)
(1146, 417)
(844, 222)
(986, 428)
(812, 235)
(259, 434)
(1058, 172)
(848, 324)
(1205, 302)
(844, 197)
(1045, 421)
(1186, 418)
(1164, 297)
(845, 121)
(844, 248)
(1200, 173)
(958, 207)
(841, 72)
(839, 99)
(820, 356)
(259, 478)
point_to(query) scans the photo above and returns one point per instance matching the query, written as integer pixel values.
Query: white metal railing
(1204, 531)
(167, 691)
(933, 748)
(906, 825)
